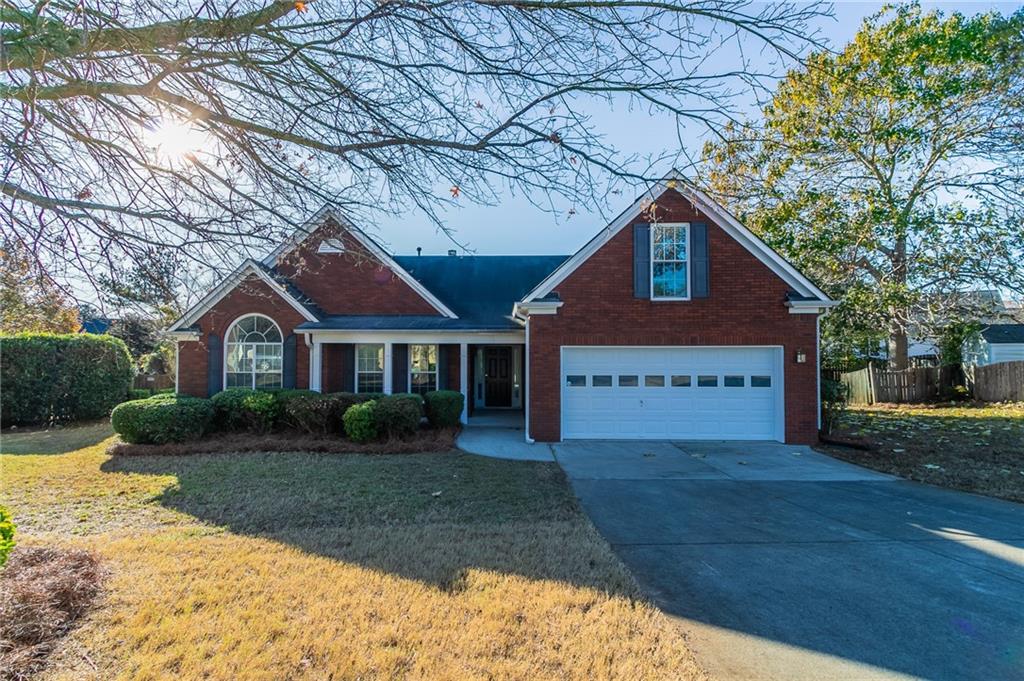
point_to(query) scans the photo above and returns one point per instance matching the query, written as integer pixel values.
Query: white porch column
(388, 370)
(315, 364)
(464, 380)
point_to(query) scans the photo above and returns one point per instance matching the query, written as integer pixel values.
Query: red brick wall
(354, 282)
(252, 295)
(745, 307)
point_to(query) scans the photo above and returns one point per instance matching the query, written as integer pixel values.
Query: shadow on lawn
(428, 517)
(58, 439)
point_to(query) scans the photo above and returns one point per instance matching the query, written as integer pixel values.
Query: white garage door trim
(718, 360)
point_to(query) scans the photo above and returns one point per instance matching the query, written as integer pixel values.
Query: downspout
(177, 365)
(526, 382)
(817, 352)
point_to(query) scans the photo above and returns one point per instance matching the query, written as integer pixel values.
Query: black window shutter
(214, 375)
(348, 368)
(288, 363)
(699, 275)
(442, 367)
(399, 368)
(642, 261)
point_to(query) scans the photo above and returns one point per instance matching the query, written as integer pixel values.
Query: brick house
(673, 322)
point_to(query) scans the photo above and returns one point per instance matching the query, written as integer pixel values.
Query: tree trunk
(899, 359)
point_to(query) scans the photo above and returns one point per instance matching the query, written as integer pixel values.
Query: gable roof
(803, 287)
(328, 213)
(481, 288)
(1003, 333)
(289, 293)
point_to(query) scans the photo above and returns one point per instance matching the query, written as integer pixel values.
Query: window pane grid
(669, 261)
(370, 368)
(422, 368)
(254, 354)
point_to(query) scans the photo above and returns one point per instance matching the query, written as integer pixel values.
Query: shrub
(139, 394)
(398, 416)
(312, 412)
(245, 409)
(444, 408)
(360, 424)
(6, 535)
(62, 377)
(834, 398)
(163, 418)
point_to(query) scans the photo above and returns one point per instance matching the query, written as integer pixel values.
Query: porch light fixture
(801, 357)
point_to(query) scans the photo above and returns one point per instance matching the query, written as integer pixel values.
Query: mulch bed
(43, 593)
(422, 442)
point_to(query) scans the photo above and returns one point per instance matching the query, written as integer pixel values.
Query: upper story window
(253, 353)
(370, 368)
(422, 368)
(670, 271)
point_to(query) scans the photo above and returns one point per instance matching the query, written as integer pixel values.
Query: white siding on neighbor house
(1005, 352)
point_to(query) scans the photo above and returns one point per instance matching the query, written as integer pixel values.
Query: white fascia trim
(708, 206)
(328, 212)
(538, 307)
(213, 297)
(810, 306)
(183, 335)
(416, 337)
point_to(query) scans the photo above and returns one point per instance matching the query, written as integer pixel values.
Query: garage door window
(651, 381)
(602, 381)
(734, 382)
(576, 381)
(760, 381)
(631, 381)
(680, 381)
(707, 381)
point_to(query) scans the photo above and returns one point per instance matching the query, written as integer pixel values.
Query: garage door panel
(660, 406)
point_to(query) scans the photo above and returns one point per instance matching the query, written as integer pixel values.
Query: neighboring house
(686, 327)
(994, 344)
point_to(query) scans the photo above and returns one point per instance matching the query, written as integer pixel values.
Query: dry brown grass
(306, 566)
(43, 592)
(422, 441)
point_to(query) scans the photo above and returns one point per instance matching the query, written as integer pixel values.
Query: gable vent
(331, 246)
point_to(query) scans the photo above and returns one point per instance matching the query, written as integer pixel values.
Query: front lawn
(298, 565)
(973, 448)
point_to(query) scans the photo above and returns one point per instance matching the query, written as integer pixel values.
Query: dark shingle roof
(1004, 333)
(481, 289)
(405, 322)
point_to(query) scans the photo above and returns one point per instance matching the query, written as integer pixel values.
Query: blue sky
(517, 227)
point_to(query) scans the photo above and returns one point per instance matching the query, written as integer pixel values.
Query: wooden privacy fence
(999, 382)
(871, 385)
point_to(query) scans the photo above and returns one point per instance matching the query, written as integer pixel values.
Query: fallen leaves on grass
(43, 592)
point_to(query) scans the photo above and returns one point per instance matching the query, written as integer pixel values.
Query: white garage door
(672, 393)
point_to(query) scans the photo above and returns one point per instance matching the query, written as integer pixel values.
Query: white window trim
(224, 359)
(688, 261)
(437, 365)
(384, 367)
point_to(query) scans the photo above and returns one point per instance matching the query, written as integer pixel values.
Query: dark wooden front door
(498, 377)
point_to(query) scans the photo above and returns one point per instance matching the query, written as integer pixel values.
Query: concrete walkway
(502, 443)
(782, 563)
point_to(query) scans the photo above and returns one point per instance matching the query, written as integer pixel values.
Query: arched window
(253, 353)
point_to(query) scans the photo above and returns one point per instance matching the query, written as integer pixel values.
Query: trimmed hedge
(62, 377)
(398, 415)
(256, 411)
(162, 418)
(360, 424)
(444, 408)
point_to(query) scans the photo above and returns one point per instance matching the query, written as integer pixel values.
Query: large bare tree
(207, 128)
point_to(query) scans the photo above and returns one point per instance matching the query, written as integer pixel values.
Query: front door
(498, 377)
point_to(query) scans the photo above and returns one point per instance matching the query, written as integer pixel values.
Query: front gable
(676, 201)
(346, 273)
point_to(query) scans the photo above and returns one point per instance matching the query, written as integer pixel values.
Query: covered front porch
(488, 368)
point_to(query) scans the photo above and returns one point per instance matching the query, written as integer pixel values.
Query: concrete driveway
(782, 563)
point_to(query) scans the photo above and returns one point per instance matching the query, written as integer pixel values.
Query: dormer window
(670, 265)
(331, 246)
